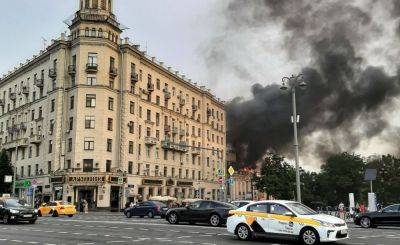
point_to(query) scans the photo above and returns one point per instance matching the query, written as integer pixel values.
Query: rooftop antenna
(44, 43)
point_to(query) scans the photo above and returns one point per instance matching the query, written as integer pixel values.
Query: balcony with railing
(196, 150)
(53, 73)
(167, 95)
(150, 87)
(182, 102)
(181, 132)
(175, 130)
(25, 89)
(150, 140)
(35, 139)
(167, 128)
(134, 77)
(39, 82)
(13, 96)
(72, 70)
(92, 67)
(23, 126)
(113, 72)
(24, 142)
(195, 107)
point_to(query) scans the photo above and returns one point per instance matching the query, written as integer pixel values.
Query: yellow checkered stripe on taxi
(251, 217)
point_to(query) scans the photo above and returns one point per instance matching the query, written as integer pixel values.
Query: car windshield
(300, 208)
(159, 204)
(16, 203)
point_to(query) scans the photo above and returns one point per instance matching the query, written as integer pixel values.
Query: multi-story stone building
(94, 117)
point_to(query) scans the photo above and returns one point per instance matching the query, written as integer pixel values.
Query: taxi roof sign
(231, 171)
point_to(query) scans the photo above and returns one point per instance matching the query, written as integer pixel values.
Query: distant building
(94, 117)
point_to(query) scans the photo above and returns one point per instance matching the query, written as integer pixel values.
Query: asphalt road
(108, 228)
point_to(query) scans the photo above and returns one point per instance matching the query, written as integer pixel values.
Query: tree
(341, 174)
(5, 169)
(277, 178)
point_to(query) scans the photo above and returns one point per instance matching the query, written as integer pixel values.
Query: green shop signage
(22, 184)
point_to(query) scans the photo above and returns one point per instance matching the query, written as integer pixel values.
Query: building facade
(94, 117)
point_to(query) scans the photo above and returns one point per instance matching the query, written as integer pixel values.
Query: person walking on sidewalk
(85, 206)
(341, 210)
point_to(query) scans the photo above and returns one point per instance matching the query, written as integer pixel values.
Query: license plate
(27, 215)
(344, 232)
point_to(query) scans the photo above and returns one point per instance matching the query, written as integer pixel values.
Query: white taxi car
(286, 220)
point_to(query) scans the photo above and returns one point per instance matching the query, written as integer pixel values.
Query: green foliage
(277, 178)
(5, 169)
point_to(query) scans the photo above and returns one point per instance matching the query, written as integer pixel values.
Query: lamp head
(283, 86)
(303, 85)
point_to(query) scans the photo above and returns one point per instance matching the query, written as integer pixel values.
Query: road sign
(8, 179)
(120, 180)
(231, 171)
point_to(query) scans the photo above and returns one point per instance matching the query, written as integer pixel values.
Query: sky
(178, 32)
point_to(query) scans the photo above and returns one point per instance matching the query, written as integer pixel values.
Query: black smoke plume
(346, 97)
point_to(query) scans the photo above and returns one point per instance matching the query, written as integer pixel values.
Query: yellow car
(57, 208)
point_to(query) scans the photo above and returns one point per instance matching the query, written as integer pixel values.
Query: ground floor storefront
(108, 191)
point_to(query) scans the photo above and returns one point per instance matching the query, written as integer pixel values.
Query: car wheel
(215, 220)
(365, 222)
(173, 218)
(150, 215)
(128, 214)
(32, 221)
(40, 214)
(243, 232)
(6, 219)
(70, 215)
(309, 236)
(55, 213)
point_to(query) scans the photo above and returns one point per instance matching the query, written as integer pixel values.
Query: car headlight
(326, 224)
(13, 211)
(36, 211)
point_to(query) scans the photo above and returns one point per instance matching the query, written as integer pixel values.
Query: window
(71, 102)
(132, 107)
(29, 170)
(93, 34)
(158, 84)
(278, 209)
(87, 165)
(90, 100)
(148, 115)
(91, 80)
(140, 75)
(109, 145)
(110, 124)
(50, 146)
(157, 153)
(53, 105)
(130, 167)
(89, 122)
(111, 104)
(92, 58)
(392, 209)
(148, 151)
(100, 33)
(87, 32)
(139, 149)
(140, 111)
(37, 150)
(130, 147)
(89, 144)
(71, 123)
(103, 4)
(260, 208)
(69, 145)
(108, 165)
(49, 167)
(111, 84)
(131, 127)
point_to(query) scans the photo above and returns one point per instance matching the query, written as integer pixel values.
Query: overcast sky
(178, 32)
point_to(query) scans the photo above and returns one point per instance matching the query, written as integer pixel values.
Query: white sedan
(285, 220)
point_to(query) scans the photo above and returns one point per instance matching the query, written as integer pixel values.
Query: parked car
(148, 208)
(14, 210)
(57, 208)
(388, 216)
(212, 212)
(240, 204)
(285, 220)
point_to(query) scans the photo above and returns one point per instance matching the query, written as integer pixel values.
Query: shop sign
(8, 179)
(57, 179)
(170, 182)
(184, 183)
(152, 182)
(95, 179)
(117, 180)
(23, 184)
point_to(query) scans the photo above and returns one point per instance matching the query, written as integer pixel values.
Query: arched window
(112, 37)
(87, 31)
(100, 33)
(103, 4)
(95, 4)
(93, 32)
(87, 4)
(109, 5)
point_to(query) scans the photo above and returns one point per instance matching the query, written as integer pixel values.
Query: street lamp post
(291, 83)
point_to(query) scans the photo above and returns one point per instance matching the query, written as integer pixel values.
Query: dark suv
(15, 210)
(148, 208)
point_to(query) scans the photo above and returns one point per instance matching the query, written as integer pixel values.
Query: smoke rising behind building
(347, 53)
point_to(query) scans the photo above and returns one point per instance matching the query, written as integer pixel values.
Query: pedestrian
(362, 208)
(85, 206)
(81, 206)
(341, 210)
